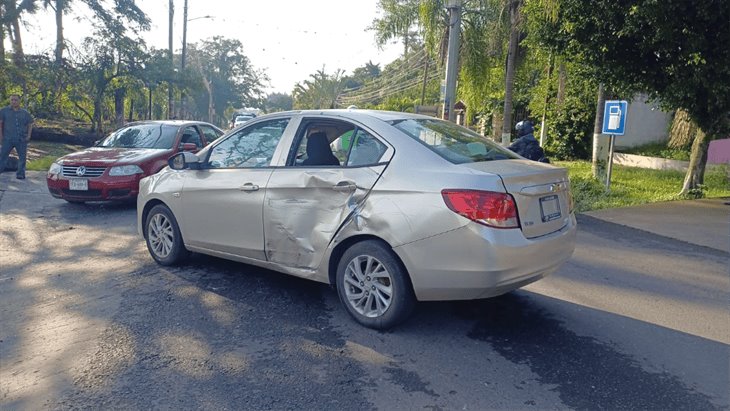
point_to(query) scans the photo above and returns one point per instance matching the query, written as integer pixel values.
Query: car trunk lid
(541, 193)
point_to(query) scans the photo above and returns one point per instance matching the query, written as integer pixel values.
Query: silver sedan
(390, 208)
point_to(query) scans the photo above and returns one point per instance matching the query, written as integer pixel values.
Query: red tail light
(484, 207)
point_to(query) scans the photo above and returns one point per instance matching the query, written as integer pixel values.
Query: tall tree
(320, 91)
(123, 11)
(108, 57)
(675, 50)
(11, 19)
(509, 77)
(278, 102)
(229, 78)
(397, 21)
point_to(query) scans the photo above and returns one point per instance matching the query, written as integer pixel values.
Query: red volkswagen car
(111, 169)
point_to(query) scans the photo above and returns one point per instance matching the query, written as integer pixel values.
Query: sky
(287, 39)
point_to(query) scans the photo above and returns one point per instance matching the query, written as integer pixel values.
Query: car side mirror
(188, 147)
(183, 160)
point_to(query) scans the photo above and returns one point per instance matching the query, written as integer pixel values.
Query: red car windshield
(160, 136)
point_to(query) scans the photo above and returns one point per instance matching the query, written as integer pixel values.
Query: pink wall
(719, 152)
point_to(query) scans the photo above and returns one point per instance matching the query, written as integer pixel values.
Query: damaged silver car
(390, 208)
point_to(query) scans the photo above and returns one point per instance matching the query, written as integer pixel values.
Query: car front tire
(163, 237)
(374, 286)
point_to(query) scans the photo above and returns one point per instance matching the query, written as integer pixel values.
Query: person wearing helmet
(526, 144)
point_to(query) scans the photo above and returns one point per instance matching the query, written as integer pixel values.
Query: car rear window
(160, 136)
(452, 142)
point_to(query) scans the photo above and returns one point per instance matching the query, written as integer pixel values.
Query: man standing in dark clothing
(526, 144)
(16, 125)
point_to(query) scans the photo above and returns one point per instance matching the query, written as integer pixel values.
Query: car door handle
(345, 186)
(249, 187)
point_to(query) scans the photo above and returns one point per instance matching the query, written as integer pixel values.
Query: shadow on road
(90, 321)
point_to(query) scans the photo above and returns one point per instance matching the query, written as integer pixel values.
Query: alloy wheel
(368, 286)
(161, 235)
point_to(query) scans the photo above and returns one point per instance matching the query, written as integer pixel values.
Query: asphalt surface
(637, 319)
(704, 222)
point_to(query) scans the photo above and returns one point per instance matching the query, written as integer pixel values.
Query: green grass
(42, 153)
(633, 186)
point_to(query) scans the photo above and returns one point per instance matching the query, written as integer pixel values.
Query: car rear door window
(250, 147)
(364, 149)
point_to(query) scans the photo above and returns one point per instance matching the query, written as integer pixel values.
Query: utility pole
(170, 110)
(182, 58)
(452, 58)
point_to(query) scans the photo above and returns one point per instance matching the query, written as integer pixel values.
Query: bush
(570, 132)
(570, 122)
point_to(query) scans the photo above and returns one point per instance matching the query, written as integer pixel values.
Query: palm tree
(123, 9)
(320, 92)
(514, 38)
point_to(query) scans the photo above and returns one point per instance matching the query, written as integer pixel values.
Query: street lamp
(185, 32)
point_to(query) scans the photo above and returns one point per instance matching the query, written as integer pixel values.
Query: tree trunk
(695, 176)
(170, 109)
(96, 121)
(119, 95)
(2, 39)
(543, 128)
(683, 130)
(3, 86)
(100, 85)
(562, 79)
(59, 32)
(514, 38)
(58, 72)
(600, 142)
(497, 121)
(18, 55)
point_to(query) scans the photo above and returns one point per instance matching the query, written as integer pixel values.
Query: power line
(407, 74)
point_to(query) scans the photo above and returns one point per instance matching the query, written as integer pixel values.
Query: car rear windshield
(452, 142)
(160, 136)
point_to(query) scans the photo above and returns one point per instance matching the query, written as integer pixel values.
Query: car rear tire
(374, 286)
(162, 234)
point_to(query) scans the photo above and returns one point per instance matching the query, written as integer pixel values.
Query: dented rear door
(305, 206)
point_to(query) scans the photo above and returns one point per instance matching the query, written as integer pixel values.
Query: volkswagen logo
(81, 171)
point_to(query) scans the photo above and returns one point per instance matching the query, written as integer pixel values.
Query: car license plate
(549, 208)
(78, 184)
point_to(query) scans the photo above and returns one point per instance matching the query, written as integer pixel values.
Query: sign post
(614, 124)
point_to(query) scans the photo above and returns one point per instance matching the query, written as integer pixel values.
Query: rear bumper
(474, 262)
(120, 189)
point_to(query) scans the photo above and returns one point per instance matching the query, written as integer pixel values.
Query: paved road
(635, 320)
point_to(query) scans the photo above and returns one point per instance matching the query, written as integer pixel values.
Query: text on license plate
(78, 184)
(549, 208)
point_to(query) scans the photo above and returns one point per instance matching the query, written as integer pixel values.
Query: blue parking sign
(614, 117)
